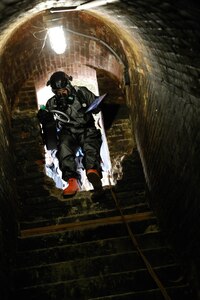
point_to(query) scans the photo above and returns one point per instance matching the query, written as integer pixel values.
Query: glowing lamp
(57, 39)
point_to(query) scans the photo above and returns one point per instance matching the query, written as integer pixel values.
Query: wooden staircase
(79, 249)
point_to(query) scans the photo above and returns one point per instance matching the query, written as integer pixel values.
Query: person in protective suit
(75, 129)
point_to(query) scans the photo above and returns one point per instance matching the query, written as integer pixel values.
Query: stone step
(91, 265)
(65, 252)
(102, 284)
(93, 233)
(67, 214)
(134, 196)
(182, 292)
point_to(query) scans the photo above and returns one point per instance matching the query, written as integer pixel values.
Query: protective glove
(44, 116)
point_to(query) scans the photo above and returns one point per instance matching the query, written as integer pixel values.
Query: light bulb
(57, 39)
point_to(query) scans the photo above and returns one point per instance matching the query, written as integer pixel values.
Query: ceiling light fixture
(57, 39)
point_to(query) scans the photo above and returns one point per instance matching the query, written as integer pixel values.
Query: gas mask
(63, 101)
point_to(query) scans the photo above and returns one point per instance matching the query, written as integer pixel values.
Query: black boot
(94, 178)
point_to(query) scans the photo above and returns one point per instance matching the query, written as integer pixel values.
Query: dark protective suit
(78, 131)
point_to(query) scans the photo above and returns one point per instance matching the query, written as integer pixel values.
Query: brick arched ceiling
(93, 47)
(139, 33)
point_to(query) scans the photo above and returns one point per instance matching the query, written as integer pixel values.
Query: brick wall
(9, 209)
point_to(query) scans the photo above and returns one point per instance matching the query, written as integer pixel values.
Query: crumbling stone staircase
(79, 249)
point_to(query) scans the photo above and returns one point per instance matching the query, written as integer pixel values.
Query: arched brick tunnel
(145, 55)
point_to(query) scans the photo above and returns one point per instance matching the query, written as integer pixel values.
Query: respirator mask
(63, 101)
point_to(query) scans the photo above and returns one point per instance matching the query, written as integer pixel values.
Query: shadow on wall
(112, 112)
